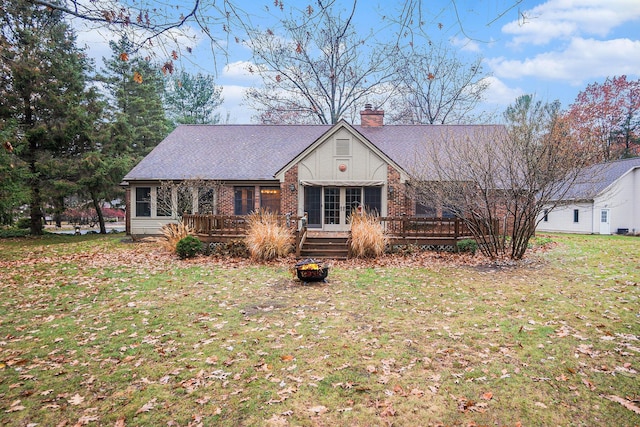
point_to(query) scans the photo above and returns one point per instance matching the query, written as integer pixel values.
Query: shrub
(172, 234)
(368, 239)
(13, 232)
(467, 245)
(188, 247)
(23, 223)
(266, 238)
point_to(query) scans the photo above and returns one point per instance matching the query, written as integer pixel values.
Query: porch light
(292, 187)
(390, 190)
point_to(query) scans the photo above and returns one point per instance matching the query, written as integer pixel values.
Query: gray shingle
(593, 180)
(257, 152)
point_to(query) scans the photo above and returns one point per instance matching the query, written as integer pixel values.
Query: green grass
(94, 330)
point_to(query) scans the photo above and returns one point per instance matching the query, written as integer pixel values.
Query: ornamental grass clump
(368, 239)
(266, 238)
(172, 234)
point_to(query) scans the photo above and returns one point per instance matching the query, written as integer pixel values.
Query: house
(604, 200)
(323, 171)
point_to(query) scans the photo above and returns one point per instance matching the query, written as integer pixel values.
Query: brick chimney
(370, 117)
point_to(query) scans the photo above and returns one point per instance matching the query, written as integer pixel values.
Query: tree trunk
(98, 208)
(35, 205)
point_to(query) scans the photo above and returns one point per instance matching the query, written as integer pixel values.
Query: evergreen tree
(13, 191)
(43, 92)
(135, 89)
(193, 99)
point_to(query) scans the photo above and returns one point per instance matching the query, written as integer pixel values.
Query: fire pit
(311, 270)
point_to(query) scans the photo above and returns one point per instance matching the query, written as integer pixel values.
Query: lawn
(98, 331)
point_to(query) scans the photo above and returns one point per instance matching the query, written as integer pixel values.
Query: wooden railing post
(457, 228)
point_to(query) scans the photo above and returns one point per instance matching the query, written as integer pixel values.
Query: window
(164, 204)
(576, 215)
(313, 206)
(353, 200)
(332, 205)
(373, 200)
(205, 200)
(185, 200)
(243, 200)
(342, 147)
(448, 213)
(143, 201)
(425, 211)
(270, 199)
(545, 218)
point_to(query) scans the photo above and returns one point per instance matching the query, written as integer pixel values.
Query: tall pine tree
(192, 99)
(135, 89)
(43, 92)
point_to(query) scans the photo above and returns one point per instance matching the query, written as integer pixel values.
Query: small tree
(606, 118)
(176, 198)
(500, 179)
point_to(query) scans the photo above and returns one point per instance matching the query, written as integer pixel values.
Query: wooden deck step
(325, 247)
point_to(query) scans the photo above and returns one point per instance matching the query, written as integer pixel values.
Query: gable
(341, 156)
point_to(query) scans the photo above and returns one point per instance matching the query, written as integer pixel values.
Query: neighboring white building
(605, 200)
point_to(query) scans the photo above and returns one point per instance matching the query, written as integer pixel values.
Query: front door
(339, 203)
(605, 222)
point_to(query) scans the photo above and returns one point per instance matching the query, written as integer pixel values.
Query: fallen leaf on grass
(76, 399)
(624, 402)
(388, 411)
(119, 422)
(318, 410)
(487, 396)
(15, 407)
(147, 406)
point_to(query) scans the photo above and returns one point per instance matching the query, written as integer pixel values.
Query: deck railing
(211, 225)
(419, 227)
(399, 227)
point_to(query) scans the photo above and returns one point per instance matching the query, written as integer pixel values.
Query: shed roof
(257, 152)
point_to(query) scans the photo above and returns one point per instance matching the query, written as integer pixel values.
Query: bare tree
(318, 69)
(175, 28)
(436, 85)
(175, 198)
(498, 180)
(152, 26)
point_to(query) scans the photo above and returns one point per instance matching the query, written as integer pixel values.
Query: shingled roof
(257, 152)
(595, 179)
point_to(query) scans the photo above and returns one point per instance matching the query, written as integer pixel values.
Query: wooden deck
(403, 230)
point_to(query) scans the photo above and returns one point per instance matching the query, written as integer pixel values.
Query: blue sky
(552, 49)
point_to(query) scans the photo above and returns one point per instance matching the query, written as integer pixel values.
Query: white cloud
(466, 44)
(499, 93)
(234, 104)
(239, 72)
(566, 18)
(583, 59)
